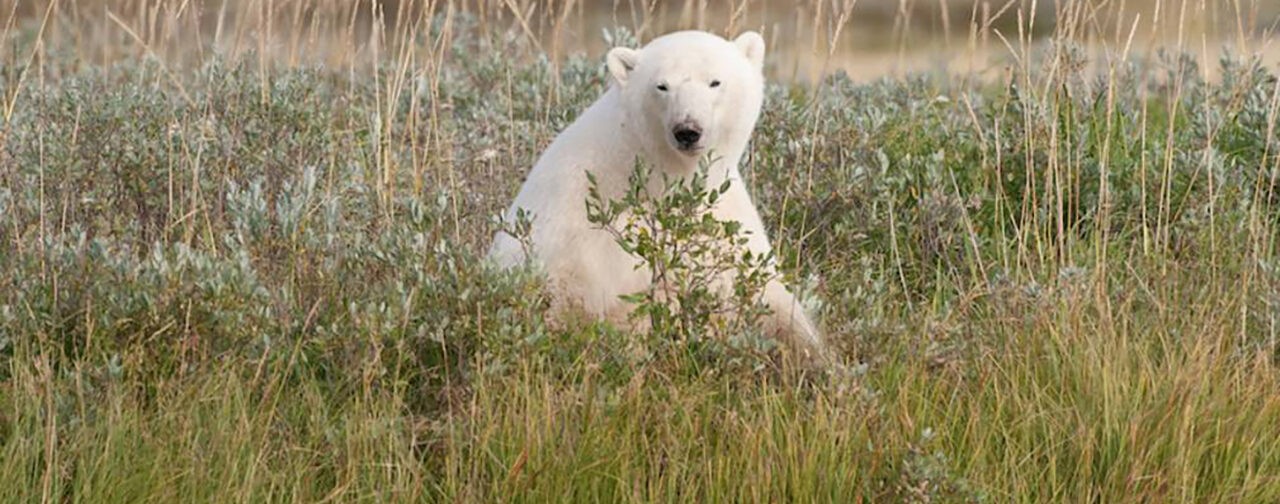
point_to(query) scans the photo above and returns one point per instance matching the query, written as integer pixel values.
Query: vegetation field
(241, 259)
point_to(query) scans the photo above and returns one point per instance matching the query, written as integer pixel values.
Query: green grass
(230, 282)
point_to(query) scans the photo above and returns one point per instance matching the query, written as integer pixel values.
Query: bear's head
(689, 92)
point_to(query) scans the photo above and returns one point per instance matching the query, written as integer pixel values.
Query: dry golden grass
(867, 38)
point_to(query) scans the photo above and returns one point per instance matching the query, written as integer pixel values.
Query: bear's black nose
(687, 135)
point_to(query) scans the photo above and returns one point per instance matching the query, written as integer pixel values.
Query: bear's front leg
(790, 324)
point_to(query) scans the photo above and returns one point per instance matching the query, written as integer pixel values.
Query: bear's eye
(662, 87)
(715, 83)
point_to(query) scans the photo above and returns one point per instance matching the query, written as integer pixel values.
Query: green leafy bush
(705, 287)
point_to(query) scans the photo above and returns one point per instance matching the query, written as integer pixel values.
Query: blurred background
(868, 39)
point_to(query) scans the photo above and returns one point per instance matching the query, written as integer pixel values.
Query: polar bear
(670, 103)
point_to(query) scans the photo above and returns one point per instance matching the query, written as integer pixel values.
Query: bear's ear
(621, 62)
(752, 46)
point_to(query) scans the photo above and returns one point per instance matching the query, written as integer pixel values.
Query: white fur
(633, 119)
